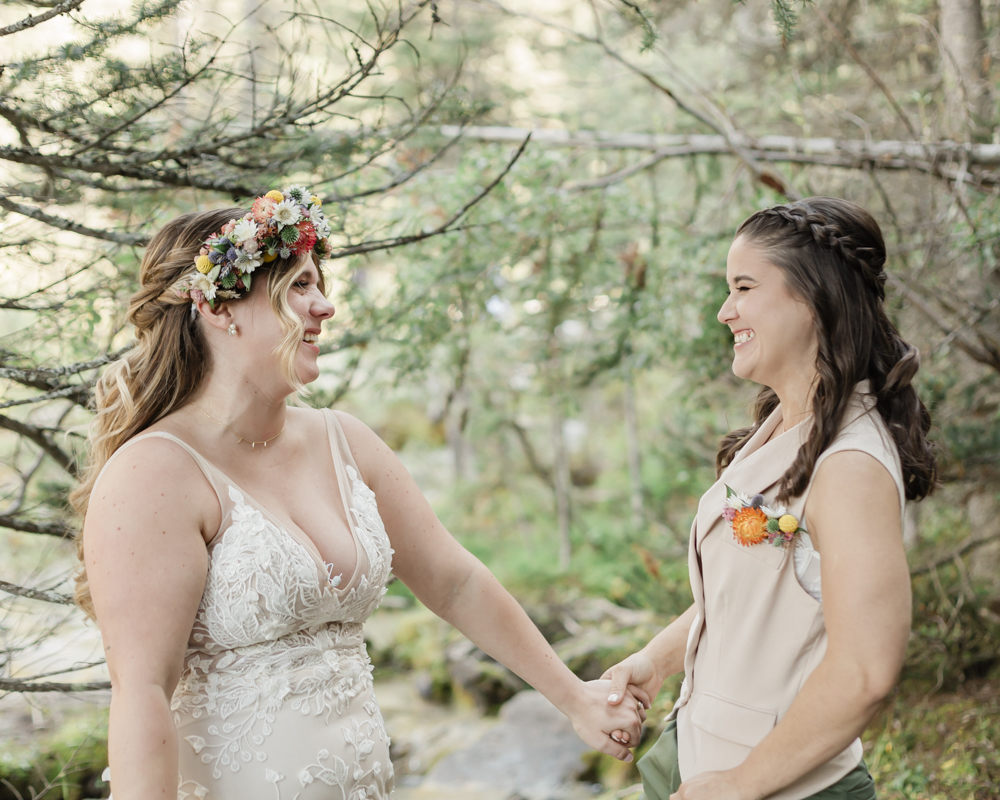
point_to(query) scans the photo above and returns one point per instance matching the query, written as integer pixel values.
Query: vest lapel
(756, 468)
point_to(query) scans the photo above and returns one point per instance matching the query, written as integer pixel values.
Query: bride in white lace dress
(233, 546)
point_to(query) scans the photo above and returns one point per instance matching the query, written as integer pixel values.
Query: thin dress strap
(211, 473)
(343, 459)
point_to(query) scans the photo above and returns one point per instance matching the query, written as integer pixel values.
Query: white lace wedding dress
(276, 698)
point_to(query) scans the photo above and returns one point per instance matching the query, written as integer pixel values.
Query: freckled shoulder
(155, 476)
(373, 456)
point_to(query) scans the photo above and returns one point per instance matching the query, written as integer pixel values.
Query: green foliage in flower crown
(289, 234)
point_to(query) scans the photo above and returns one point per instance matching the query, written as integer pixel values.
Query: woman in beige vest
(801, 608)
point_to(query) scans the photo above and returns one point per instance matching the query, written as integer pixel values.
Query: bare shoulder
(851, 472)
(373, 456)
(853, 490)
(154, 477)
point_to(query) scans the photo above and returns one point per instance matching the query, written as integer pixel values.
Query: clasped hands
(636, 678)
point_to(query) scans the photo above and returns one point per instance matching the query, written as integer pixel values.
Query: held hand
(634, 677)
(638, 674)
(594, 720)
(710, 786)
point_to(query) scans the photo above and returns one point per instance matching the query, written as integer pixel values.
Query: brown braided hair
(833, 256)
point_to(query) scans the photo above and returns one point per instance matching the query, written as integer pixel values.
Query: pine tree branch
(31, 21)
(35, 594)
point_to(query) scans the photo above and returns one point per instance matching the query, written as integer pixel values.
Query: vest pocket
(768, 553)
(732, 721)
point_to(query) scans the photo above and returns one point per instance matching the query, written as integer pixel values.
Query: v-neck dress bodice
(276, 700)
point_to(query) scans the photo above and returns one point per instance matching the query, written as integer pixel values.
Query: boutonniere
(753, 522)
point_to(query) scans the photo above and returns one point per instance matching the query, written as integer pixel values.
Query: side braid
(868, 261)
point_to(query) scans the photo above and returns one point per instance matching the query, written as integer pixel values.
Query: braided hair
(833, 256)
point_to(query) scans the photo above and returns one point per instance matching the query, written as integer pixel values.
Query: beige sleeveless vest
(758, 635)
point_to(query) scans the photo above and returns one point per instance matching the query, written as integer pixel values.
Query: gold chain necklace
(234, 433)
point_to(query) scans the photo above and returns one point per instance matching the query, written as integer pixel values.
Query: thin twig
(31, 21)
(35, 594)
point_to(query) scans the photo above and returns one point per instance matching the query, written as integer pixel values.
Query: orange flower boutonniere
(753, 522)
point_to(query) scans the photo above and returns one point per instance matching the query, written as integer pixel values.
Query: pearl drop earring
(232, 328)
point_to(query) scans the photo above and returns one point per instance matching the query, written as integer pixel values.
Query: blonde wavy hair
(171, 357)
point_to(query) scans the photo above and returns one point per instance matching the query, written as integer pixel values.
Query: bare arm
(146, 562)
(456, 586)
(853, 516)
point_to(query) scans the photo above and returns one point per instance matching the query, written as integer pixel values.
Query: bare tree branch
(720, 125)
(74, 227)
(861, 62)
(35, 594)
(47, 528)
(31, 21)
(45, 377)
(971, 349)
(446, 227)
(43, 440)
(969, 544)
(79, 394)
(12, 685)
(933, 158)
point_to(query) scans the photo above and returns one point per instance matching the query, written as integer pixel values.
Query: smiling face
(775, 341)
(265, 334)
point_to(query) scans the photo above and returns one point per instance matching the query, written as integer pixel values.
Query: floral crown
(279, 225)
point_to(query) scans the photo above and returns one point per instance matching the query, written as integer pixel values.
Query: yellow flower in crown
(203, 264)
(316, 201)
(275, 195)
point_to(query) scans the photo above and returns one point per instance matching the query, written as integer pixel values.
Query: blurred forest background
(532, 205)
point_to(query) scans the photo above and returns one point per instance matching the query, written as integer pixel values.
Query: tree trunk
(632, 450)
(966, 67)
(561, 481)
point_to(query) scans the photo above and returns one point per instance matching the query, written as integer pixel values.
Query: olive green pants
(661, 775)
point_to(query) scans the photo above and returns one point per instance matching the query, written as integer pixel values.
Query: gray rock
(533, 753)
